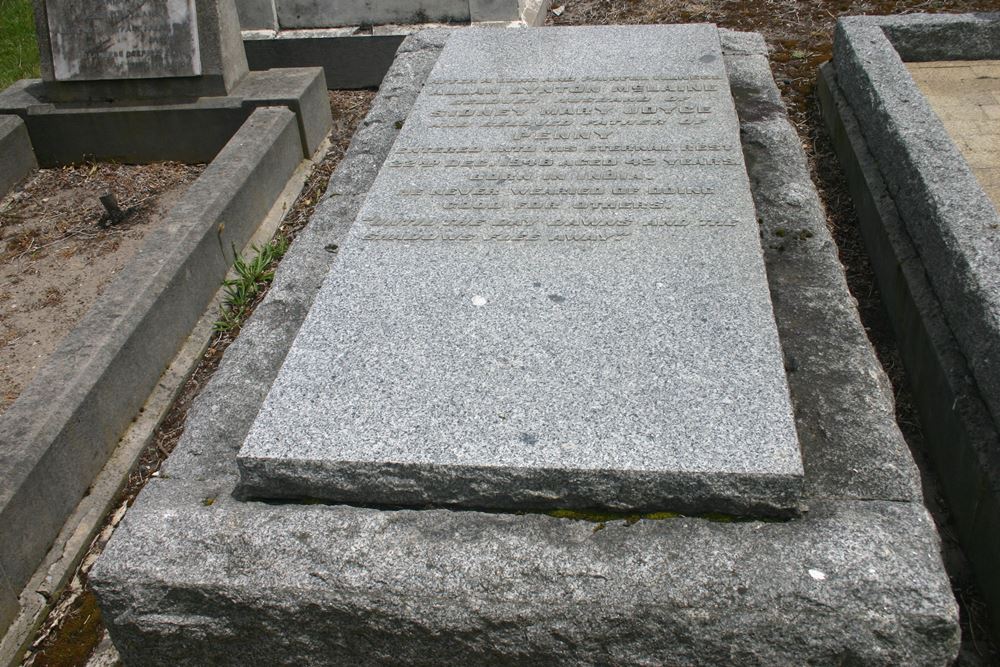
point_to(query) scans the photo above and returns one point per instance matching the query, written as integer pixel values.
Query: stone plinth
(554, 296)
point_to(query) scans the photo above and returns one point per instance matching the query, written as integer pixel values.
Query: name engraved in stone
(123, 39)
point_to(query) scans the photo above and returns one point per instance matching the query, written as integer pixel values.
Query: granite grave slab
(554, 296)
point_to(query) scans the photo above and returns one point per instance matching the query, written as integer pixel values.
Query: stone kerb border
(17, 159)
(195, 576)
(59, 433)
(953, 224)
(960, 433)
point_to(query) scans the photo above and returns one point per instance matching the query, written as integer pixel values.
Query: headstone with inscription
(96, 50)
(554, 296)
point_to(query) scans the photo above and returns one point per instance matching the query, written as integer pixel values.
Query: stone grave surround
(931, 232)
(946, 212)
(857, 577)
(173, 48)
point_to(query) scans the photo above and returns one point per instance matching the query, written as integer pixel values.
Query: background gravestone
(109, 50)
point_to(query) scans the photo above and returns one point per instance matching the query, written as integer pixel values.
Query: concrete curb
(17, 159)
(349, 61)
(195, 576)
(62, 428)
(960, 434)
(187, 131)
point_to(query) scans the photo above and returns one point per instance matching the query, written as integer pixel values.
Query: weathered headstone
(123, 39)
(554, 296)
(123, 49)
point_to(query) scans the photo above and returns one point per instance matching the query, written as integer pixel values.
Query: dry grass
(59, 205)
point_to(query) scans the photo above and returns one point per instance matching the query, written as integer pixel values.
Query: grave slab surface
(554, 296)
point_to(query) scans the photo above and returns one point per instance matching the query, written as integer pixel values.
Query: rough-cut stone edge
(945, 211)
(959, 432)
(512, 488)
(17, 159)
(60, 431)
(195, 576)
(925, 37)
(856, 451)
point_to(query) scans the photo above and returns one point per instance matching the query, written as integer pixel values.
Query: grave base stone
(196, 576)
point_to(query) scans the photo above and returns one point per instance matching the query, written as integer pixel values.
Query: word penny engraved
(553, 296)
(123, 39)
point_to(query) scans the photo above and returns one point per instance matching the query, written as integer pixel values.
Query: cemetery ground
(799, 35)
(57, 254)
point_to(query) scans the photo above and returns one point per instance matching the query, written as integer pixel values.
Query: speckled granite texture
(857, 580)
(464, 351)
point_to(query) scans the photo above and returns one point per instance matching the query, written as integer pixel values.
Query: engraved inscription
(528, 161)
(123, 39)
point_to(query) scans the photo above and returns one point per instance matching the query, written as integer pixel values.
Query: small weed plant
(253, 276)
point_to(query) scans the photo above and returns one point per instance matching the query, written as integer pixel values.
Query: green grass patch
(18, 49)
(252, 278)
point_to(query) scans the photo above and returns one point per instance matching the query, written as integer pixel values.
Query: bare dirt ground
(55, 260)
(74, 628)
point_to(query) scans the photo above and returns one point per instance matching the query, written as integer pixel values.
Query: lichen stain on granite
(630, 519)
(79, 635)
